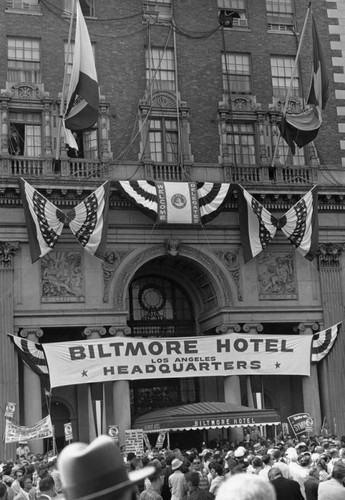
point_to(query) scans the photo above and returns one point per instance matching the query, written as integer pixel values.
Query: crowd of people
(287, 469)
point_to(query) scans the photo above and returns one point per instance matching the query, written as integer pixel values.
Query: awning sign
(122, 358)
(15, 433)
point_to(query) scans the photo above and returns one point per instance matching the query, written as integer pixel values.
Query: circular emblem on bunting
(178, 200)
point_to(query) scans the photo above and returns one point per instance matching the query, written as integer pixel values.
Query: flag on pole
(88, 221)
(323, 342)
(302, 128)
(44, 221)
(256, 224)
(83, 93)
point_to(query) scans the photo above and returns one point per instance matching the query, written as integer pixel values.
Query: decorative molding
(173, 246)
(228, 328)
(252, 328)
(117, 331)
(7, 252)
(30, 332)
(232, 263)
(330, 254)
(276, 272)
(91, 331)
(62, 277)
(111, 262)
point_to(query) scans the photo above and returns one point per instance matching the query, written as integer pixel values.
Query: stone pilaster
(310, 385)
(332, 369)
(121, 394)
(9, 385)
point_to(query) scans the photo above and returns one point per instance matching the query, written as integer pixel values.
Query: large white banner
(121, 358)
(14, 433)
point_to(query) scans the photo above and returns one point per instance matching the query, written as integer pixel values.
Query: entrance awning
(205, 415)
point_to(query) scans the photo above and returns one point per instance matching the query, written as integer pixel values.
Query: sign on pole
(113, 431)
(68, 431)
(134, 442)
(301, 423)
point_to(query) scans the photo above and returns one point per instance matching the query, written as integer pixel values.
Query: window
(163, 139)
(279, 15)
(87, 7)
(23, 5)
(241, 143)
(288, 158)
(235, 10)
(157, 10)
(87, 141)
(236, 73)
(160, 69)
(24, 60)
(281, 70)
(28, 131)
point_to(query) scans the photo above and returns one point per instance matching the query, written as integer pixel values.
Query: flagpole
(62, 102)
(291, 80)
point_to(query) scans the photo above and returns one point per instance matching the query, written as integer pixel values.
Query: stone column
(121, 395)
(4, 126)
(47, 137)
(9, 386)
(95, 425)
(332, 368)
(310, 385)
(32, 391)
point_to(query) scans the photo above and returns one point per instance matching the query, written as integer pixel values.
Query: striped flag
(300, 225)
(177, 202)
(31, 353)
(302, 128)
(323, 342)
(88, 221)
(83, 93)
(257, 226)
(44, 221)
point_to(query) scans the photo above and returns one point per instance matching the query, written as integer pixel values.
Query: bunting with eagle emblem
(44, 221)
(323, 342)
(177, 202)
(88, 221)
(258, 226)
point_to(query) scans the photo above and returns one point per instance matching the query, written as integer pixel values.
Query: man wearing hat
(176, 480)
(97, 471)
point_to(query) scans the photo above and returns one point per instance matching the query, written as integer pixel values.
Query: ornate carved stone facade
(62, 277)
(277, 276)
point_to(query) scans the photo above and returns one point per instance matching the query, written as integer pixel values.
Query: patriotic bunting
(258, 226)
(32, 354)
(43, 220)
(88, 221)
(323, 342)
(300, 225)
(177, 202)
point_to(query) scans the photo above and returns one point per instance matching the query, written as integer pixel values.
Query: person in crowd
(198, 466)
(176, 480)
(97, 471)
(14, 149)
(8, 480)
(153, 492)
(217, 477)
(278, 461)
(286, 489)
(3, 491)
(166, 493)
(333, 488)
(17, 474)
(311, 484)
(192, 480)
(246, 487)
(55, 473)
(267, 464)
(321, 466)
(27, 491)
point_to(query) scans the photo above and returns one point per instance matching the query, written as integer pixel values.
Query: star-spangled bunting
(323, 342)
(258, 226)
(88, 221)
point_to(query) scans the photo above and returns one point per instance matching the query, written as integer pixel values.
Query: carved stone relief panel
(62, 277)
(232, 263)
(276, 273)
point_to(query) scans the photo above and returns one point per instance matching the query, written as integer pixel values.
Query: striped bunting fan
(258, 226)
(323, 342)
(177, 202)
(32, 354)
